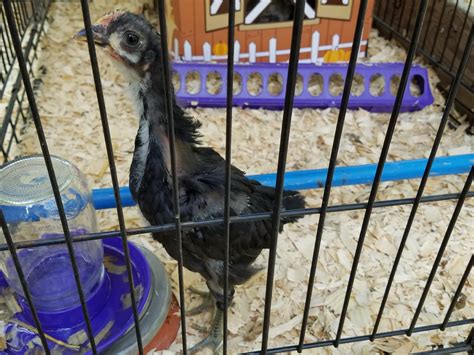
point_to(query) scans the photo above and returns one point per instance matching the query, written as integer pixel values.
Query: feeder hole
(299, 85)
(254, 84)
(213, 83)
(336, 84)
(315, 84)
(394, 84)
(237, 85)
(377, 85)
(176, 80)
(193, 82)
(275, 84)
(416, 85)
(358, 83)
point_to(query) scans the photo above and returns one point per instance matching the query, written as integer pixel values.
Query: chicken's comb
(109, 17)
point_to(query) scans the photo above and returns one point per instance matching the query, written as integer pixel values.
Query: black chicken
(135, 45)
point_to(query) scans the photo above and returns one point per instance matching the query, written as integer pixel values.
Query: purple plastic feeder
(379, 102)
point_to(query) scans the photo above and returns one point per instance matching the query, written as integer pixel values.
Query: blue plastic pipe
(344, 175)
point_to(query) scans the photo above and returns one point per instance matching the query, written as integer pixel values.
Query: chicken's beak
(98, 33)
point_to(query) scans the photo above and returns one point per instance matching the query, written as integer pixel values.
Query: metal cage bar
(412, 9)
(332, 165)
(457, 293)
(463, 347)
(470, 339)
(460, 37)
(24, 284)
(236, 219)
(448, 34)
(172, 145)
(284, 142)
(228, 164)
(439, 27)
(401, 12)
(428, 25)
(359, 338)
(383, 157)
(49, 165)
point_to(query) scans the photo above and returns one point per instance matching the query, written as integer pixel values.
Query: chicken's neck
(152, 141)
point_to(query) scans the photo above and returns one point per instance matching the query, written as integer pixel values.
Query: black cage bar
(23, 21)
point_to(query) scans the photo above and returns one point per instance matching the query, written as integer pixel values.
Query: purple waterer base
(3, 281)
(113, 320)
(70, 318)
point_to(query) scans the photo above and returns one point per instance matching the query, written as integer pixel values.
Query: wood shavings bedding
(67, 104)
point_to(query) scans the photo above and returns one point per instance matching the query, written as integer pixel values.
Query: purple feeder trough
(314, 88)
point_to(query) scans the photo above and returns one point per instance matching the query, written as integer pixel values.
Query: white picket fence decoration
(314, 47)
(252, 52)
(272, 58)
(206, 51)
(271, 54)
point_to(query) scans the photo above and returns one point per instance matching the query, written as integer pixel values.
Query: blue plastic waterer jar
(27, 201)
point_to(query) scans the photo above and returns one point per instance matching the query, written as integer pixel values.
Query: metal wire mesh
(19, 17)
(444, 35)
(30, 17)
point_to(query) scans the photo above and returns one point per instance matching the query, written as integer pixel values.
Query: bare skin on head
(135, 46)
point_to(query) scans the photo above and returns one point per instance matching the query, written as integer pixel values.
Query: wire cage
(30, 18)
(444, 35)
(23, 21)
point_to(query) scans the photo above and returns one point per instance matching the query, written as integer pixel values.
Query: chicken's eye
(131, 39)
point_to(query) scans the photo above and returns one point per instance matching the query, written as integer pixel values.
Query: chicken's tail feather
(241, 273)
(292, 200)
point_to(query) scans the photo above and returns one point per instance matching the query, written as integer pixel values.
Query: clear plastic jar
(28, 203)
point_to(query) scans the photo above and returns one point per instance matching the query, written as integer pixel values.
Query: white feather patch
(141, 152)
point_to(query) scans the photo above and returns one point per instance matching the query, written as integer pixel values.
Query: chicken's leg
(207, 302)
(214, 338)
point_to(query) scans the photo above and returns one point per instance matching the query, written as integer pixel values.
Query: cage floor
(70, 116)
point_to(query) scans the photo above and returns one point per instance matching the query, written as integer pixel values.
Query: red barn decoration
(199, 30)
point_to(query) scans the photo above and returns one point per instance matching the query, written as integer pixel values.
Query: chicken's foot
(214, 338)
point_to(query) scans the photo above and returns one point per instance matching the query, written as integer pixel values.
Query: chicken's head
(128, 39)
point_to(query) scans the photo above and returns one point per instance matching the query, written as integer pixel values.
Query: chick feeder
(30, 210)
(390, 72)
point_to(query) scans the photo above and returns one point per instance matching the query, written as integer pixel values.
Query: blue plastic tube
(344, 175)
